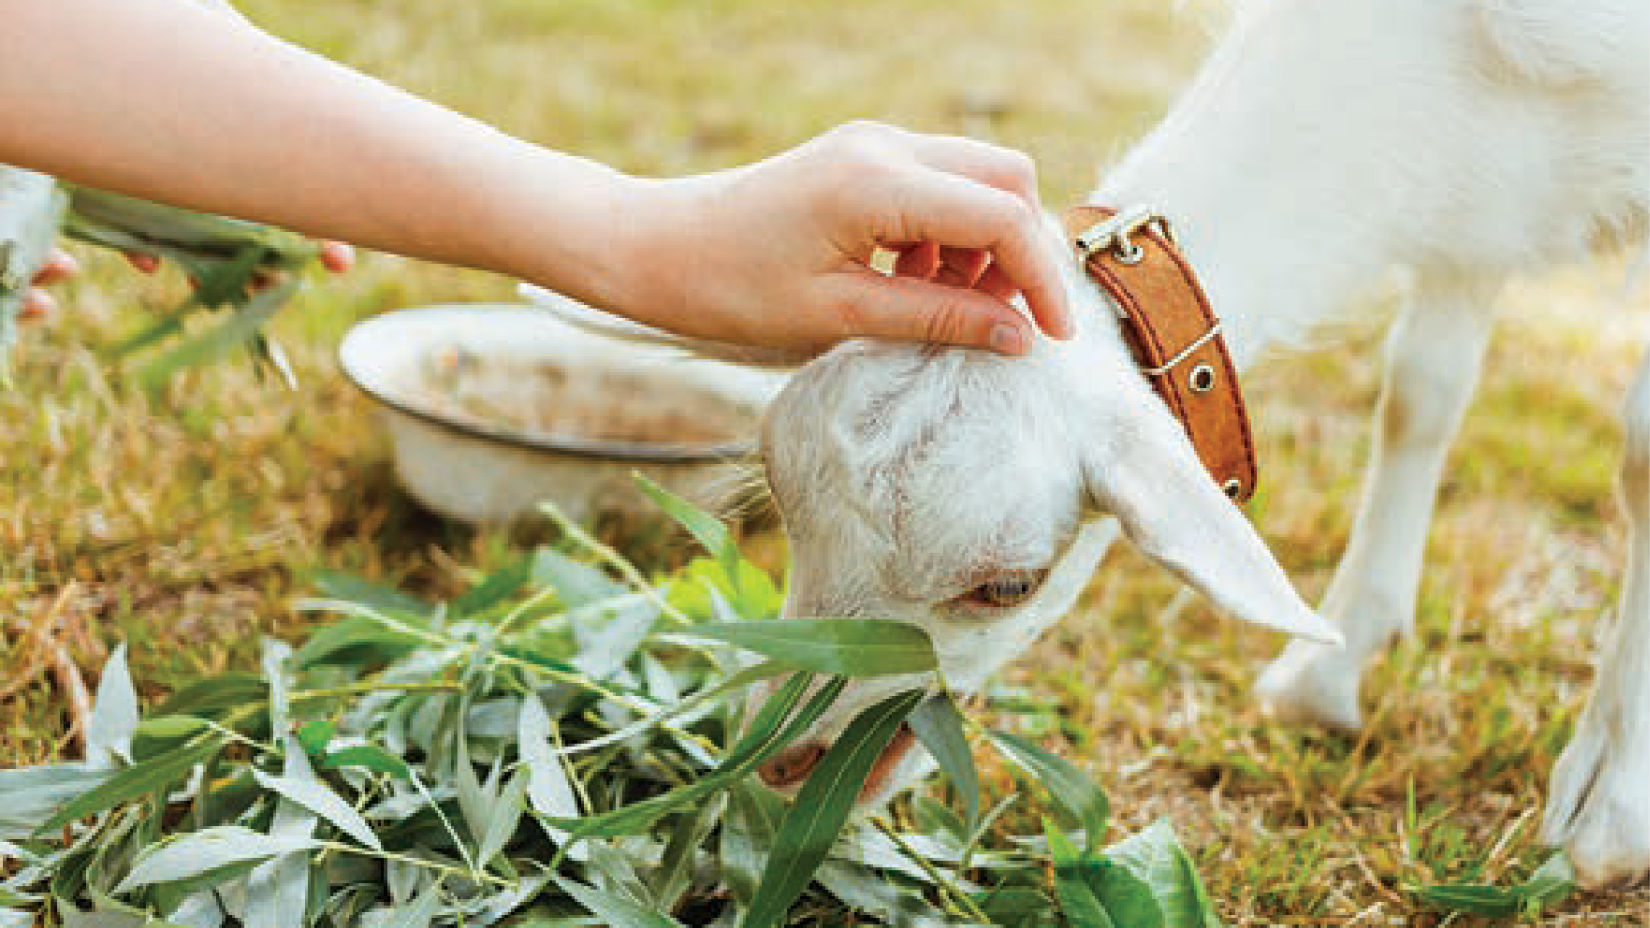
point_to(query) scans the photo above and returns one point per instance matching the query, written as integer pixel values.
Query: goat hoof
(1306, 685)
(1599, 810)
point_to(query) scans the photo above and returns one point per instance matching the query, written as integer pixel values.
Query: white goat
(1324, 142)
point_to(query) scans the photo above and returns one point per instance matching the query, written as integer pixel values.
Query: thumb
(869, 304)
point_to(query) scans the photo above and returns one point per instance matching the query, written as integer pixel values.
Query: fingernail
(1007, 339)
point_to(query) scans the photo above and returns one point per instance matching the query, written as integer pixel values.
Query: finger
(337, 257)
(992, 165)
(920, 260)
(917, 310)
(145, 263)
(59, 266)
(37, 304)
(960, 267)
(995, 283)
(960, 213)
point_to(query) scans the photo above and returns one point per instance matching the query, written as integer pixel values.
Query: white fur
(1324, 143)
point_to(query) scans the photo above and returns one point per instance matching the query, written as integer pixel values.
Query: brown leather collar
(1175, 336)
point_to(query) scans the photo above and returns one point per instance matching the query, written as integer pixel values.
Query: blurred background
(183, 521)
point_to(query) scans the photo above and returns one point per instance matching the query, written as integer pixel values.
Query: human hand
(39, 302)
(778, 253)
(336, 257)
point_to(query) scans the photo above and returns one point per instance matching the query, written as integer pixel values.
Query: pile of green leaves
(226, 258)
(568, 743)
(1552, 882)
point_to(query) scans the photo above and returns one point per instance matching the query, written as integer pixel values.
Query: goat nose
(791, 766)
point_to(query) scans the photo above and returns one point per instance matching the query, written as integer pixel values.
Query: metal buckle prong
(1185, 353)
(1114, 231)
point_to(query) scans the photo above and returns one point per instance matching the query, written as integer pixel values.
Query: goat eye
(1007, 589)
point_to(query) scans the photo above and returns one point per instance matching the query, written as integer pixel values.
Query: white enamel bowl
(461, 462)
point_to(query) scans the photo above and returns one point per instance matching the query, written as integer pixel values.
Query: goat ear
(607, 325)
(1173, 512)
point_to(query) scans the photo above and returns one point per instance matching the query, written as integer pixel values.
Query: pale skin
(173, 102)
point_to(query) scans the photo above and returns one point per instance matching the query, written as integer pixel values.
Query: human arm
(168, 101)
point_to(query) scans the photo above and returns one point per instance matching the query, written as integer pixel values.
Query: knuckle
(859, 135)
(945, 322)
(1021, 171)
(1011, 217)
(852, 313)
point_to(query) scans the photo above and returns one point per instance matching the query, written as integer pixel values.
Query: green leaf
(315, 734)
(163, 734)
(114, 714)
(850, 647)
(107, 913)
(938, 724)
(576, 583)
(548, 790)
(418, 913)
(241, 327)
(1473, 898)
(213, 696)
(1154, 857)
(369, 757)
(748, 827)
(1071, 790)
(674, 874)
(1015, 905)
(316, 797)
(273, 661)
(762, 740)
(475, 800)
(493, 589)
(1550, 883)
(278, 890)
(151, 776)
(355, 640)
(506, 815)
(337, 584)
(32, 794)
(1077, 900)
(765, 731)
(1127, 898)
(604, 649)
(822, 807)
(738, 681)
(864, 889)
(615, 911)
(209, 849)
(708, 529)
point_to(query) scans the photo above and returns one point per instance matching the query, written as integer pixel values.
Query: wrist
(647, 258)
(578, 228)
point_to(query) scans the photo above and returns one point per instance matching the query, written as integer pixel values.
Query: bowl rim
(607, 449)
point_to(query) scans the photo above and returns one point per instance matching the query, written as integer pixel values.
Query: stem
(520, 610)
(234, 735)
(418, 784)
(952, 893)
(368, 686)
(356, 609)
(615, 560)
(573, 779)
(473, 875)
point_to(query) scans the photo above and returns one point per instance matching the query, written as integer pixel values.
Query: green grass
(183, 523)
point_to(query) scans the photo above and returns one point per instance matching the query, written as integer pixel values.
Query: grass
(183, 523)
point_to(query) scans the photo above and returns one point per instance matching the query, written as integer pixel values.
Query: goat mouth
(793, 765)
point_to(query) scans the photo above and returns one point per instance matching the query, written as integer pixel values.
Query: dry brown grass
(183, 523)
